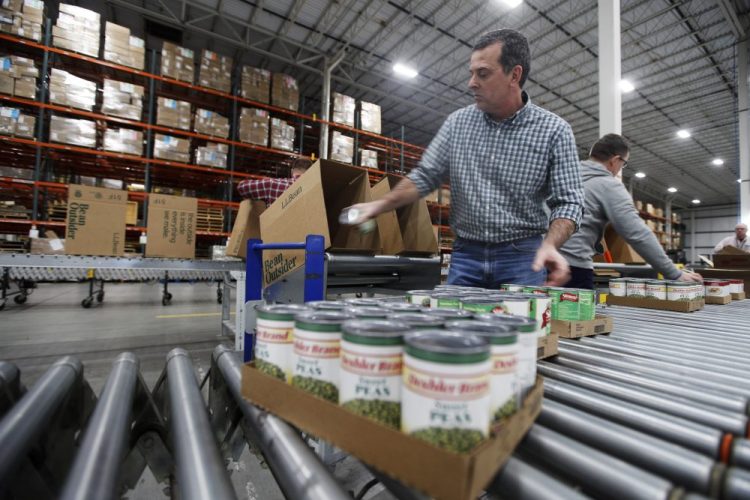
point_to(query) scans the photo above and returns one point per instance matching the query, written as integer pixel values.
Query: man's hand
(689, 277)
(558, 271)
(366, 211)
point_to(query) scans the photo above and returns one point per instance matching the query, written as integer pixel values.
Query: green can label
(565, 305)
(586, 305)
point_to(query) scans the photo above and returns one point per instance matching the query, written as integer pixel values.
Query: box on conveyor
(23, 18)
(77, 29)
(285, 92)
(212, 155)
(66, 89)
(211, 123)
(254, 126)
(173, 113)
(18, 76)
(172, 148)
(343, 109)
(124, 140)
(369, 117)
(177, 62)
(215, 71)
(282, 135)
(342, 147)
(14, 122)
(256, 84)
(72, 131)
(122, 48)
(122, 99)
(368, 158)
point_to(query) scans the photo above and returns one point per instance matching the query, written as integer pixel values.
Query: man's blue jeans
(488, 265)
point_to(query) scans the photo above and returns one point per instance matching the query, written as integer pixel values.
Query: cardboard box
(121, 47)
(343, 109)
(620, 250)
(369, 117)
(342, 147)
(414, 462)
(173, 113)
(719, 301)
(407, 230)
(662, 305)
(215, 71)
(256, 84)
(77, 29)
(171, 226)
(312, 206)
(72, 131)
(122, 99)
(18, 76)
(172, 148)
(732, 258)
(368, 158)
(177, 62)
(282, 135)
(95, 223)
(211, 123)
(254, 126)
(575, 329)
(66, 89)
(25, 87)
(124, 140)
(6, 84)
(25, 126)
(246, 226)
(739, 296)
(285, 92)
(547, 346)
(211, 155)
(131, 214)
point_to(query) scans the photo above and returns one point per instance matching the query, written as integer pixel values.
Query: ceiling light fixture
(672, 189)
(626, 86)
(512, 3)
(696, 201)
(718, 162)
(405, 71)
(640, 175)
(683, 134)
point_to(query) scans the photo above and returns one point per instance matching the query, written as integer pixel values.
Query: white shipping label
(316, 355)
(274, 344)
(56, 244)
(370, 372)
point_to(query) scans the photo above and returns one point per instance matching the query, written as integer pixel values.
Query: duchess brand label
(315, 363)
(273, 347)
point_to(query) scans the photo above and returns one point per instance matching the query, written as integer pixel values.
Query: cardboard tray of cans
(719, 301)
(440, 473)
(739, 296)
(575, 329)
(651, 303)
(547, 346)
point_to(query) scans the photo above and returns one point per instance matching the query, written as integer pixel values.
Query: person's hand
(558, 271)
(689, 277)
(363, 211)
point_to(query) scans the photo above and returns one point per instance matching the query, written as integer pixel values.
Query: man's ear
(517, 74)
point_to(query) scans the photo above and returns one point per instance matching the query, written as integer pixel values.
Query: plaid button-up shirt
(264, 189)
(501, 173)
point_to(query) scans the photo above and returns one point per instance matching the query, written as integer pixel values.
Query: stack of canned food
(673, 290)
(439, 374)
(723, 287)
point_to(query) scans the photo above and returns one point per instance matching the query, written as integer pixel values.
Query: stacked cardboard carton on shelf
(212, 155)
(167, 147)
(282, 135)
(124, 140)
(14, 122)
(211, 123)
(256, 84)
(342, 147)
(177, 62)
(66, 89)
(122, 48)
(72, 131)
(254, 125)
(215, 71)
(343, 109)
(368, 158)
(77, 29)
(369, 117)
(122, 99)
(285, 92)
(23, 18)
(18, 76)
(173, 113)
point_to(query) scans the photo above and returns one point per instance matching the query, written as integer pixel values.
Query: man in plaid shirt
(269, 189)
(505, 159)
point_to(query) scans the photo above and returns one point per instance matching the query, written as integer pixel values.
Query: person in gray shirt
(607, 201)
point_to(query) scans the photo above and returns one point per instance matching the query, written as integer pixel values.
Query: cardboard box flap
(731, 250)
(246, 226)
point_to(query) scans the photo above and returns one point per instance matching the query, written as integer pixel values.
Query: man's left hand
(558, 271)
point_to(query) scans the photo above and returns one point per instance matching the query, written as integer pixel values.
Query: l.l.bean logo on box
(290, 197)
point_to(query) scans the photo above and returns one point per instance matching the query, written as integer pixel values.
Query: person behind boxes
(607, 201)
(739, 240)
(269, 189)
(504, 157)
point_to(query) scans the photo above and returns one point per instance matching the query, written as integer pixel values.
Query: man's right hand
(689, 277)
(366, 211)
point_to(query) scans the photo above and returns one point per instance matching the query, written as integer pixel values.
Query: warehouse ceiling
(680, 56)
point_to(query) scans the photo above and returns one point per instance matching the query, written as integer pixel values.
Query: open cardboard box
(575, 329)
(312, 206)
(732, 258)
(547, 346)
(407, 230)
(416, 463)
(719, 301)
(662, 305)
(246, 226)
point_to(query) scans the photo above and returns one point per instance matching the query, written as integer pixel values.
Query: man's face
(489, 83)
(740, 232)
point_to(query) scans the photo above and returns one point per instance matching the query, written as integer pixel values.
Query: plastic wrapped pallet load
(77, 29)
(342, 147)
(254, 126)
(167, 147)
(73, 131)
(18, 76)
(285, 92)
(22, 18)
(368, 158)
(343, 109)
(369, 117)
(282, 135)
(215, 71)
(256, 84)
(177, 62)
(212, 155)
(122, 99)
(14, 122)
(66, 89)
(122, 48)
(124, 140)
(211, 123)
(173, 113)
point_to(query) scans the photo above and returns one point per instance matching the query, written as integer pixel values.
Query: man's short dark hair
(608, 146)
(299, 164)
(515, 50)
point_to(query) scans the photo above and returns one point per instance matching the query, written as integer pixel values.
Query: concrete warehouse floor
(53, 324)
